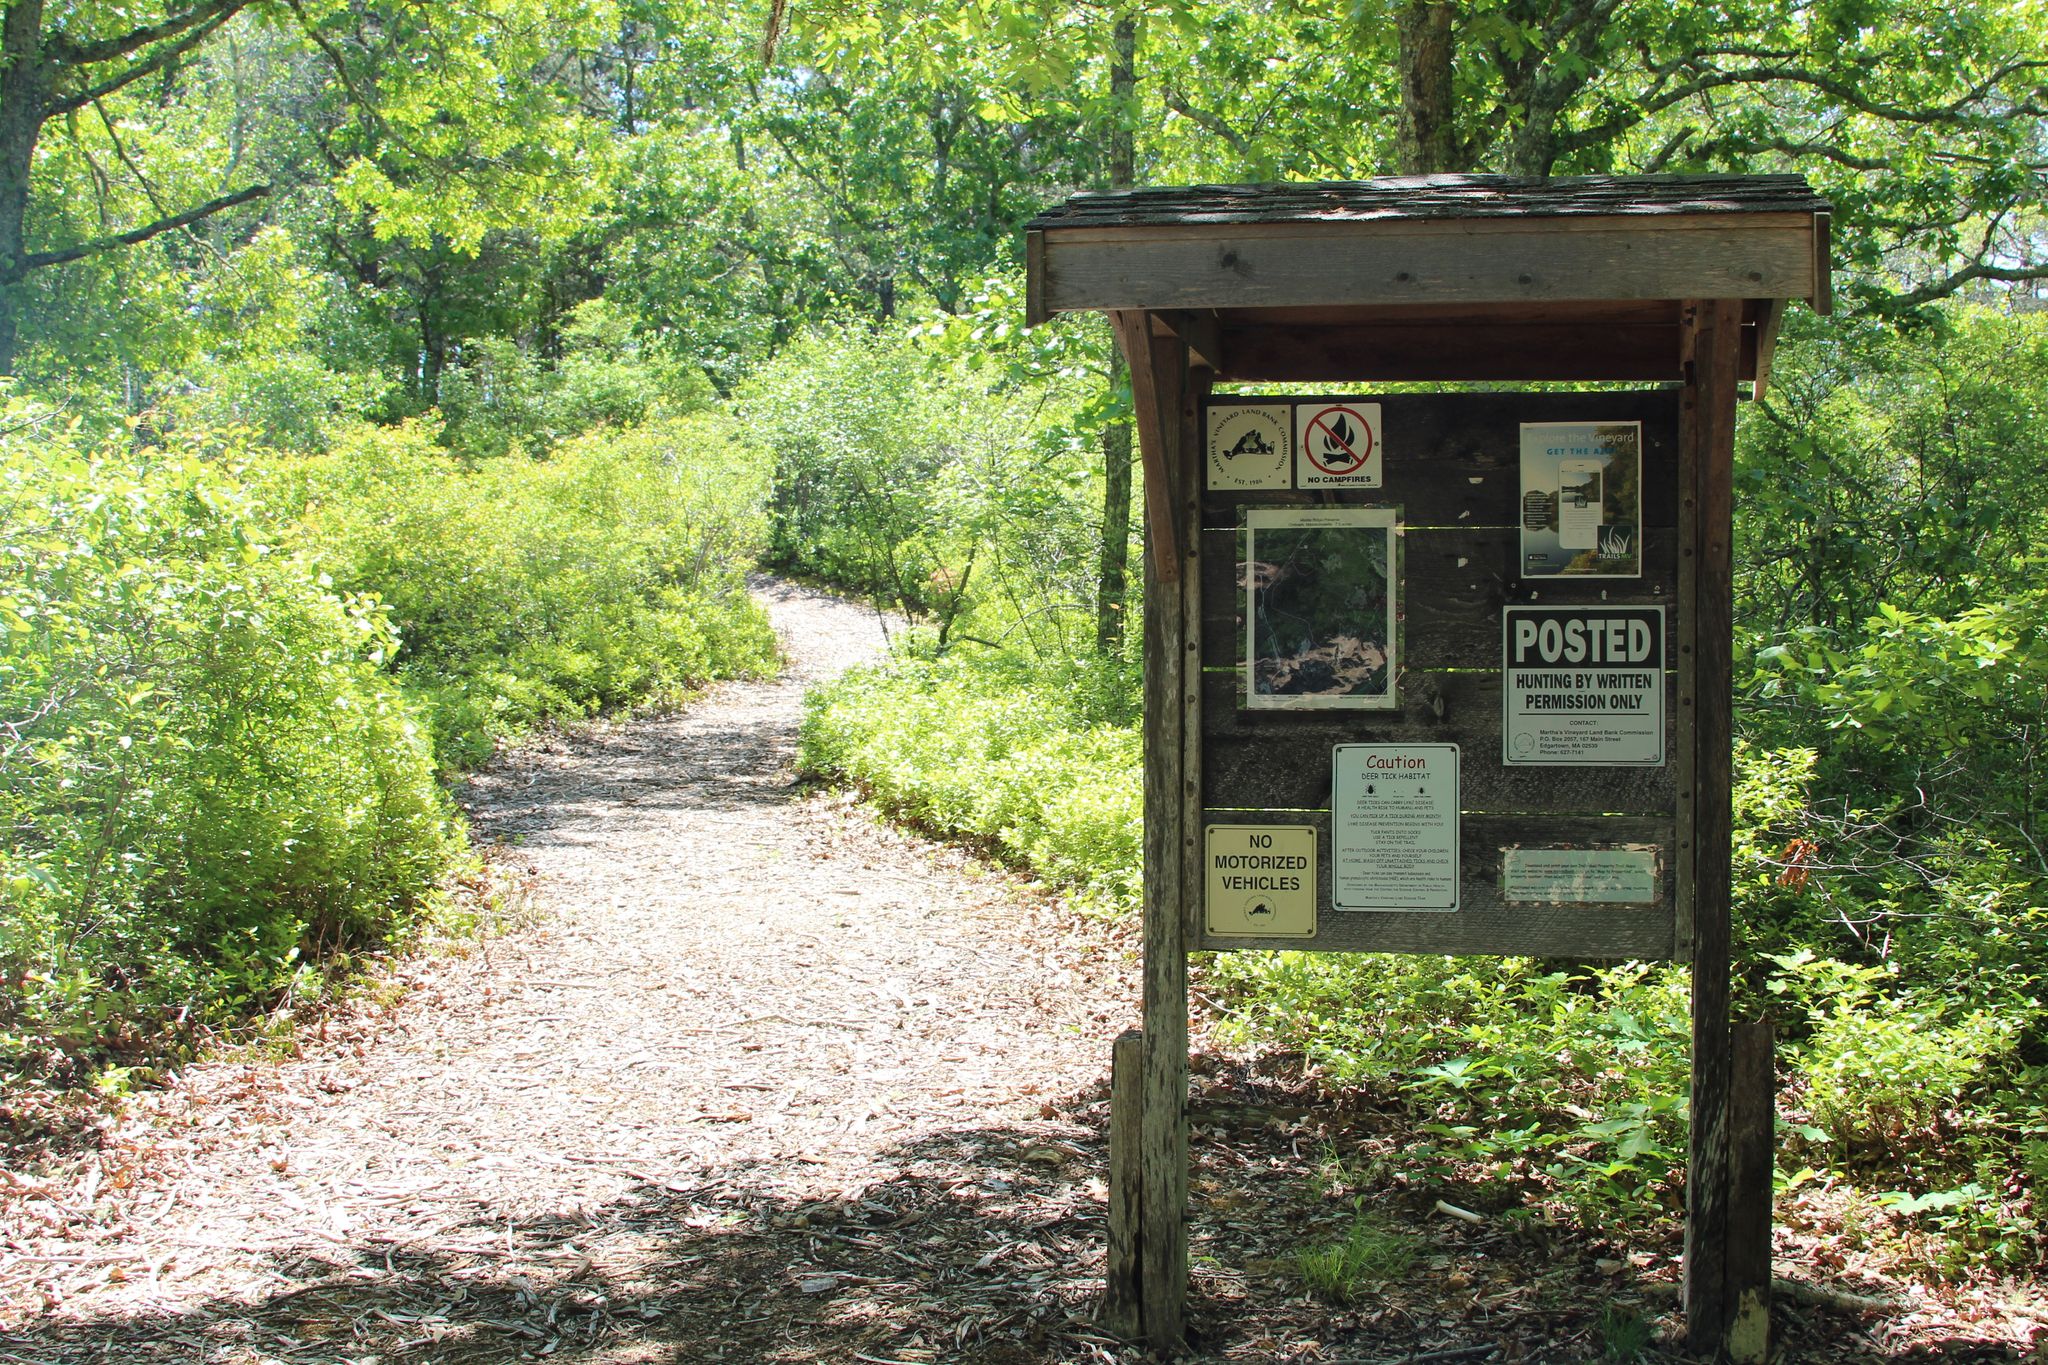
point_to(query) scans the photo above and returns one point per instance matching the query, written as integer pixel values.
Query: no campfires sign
(1337, 445)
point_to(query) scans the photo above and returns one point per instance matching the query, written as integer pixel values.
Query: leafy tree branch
(37, 260)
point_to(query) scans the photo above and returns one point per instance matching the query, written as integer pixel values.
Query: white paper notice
(1580, 876)
(1394, 827)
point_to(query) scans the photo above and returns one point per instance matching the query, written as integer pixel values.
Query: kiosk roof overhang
(1443, 277)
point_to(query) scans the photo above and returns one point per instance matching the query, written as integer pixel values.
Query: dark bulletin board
(1451, 466)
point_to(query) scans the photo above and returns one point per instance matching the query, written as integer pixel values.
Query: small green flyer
(1582, 499)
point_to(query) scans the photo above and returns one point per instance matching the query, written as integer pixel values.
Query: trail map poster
(1320, 592)
(1582, 499)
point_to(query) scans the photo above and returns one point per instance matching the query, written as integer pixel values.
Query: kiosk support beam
(1158, 367)
(1147, 1272)
(1714, 1299)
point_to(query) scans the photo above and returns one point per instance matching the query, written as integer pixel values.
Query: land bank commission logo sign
(1249, 446)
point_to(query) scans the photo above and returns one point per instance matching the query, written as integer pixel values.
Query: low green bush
(503, 398)
(969, 745)
(1574, 1081)
(523, 590)
(1884, 1077)
(207, 778)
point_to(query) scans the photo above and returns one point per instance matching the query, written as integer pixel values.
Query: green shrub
(929, 485)
(206, 778)
(863, 454)
(1514, 1071)
(504, 398)
(1881, 1078)
(288, 400)
(525, 590)
(968, 746)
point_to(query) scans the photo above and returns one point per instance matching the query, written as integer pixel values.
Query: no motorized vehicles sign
(1262, 881)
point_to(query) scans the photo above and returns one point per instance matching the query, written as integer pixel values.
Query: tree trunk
(1551, 85)
(1426, 142)
(433, 358)
(1112, 580)
(1112, 575)
(1534, 148)
(629, 34)
(24, 98)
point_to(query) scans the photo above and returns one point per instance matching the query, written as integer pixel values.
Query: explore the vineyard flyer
(1582, 499)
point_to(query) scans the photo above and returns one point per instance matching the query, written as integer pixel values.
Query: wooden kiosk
(1440, 673)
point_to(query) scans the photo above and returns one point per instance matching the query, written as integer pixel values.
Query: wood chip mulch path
(762, 1079)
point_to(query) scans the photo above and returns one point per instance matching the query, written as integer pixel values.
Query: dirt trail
(752, 1033)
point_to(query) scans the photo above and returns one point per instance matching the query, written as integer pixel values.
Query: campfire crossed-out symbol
(1339, 447)
(1337, 439)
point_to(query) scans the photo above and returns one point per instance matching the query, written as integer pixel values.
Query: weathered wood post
(1543, 809)
(1154, 1253)
(1123, 1294)
(1752, 1119)
(1706, 557)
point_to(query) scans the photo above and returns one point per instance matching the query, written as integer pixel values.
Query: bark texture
(1426, 143)
(1112, 578)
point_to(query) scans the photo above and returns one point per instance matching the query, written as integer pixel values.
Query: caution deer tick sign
(1337, 445)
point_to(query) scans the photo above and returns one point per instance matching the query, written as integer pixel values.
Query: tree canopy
(403, 179)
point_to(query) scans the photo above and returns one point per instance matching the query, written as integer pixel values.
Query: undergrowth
(525, 589)
(209, 779)
(229, 682)
(1554, 1084)
(1042, 769)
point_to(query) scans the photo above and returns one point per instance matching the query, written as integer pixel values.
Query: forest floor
(755, 1077)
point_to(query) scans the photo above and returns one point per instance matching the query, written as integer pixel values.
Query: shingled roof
(1435, 197)
(1485, 277)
